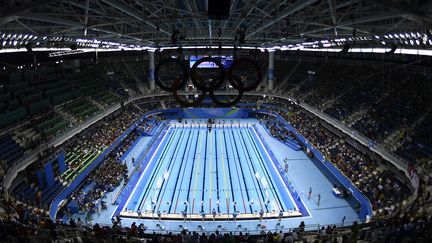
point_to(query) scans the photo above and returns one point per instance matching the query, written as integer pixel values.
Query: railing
(309, 229)
(372, 145)
(32, 155)
(379, 149)
(64, 232)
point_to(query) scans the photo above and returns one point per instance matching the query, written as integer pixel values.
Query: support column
(151, 70)
(271, 70)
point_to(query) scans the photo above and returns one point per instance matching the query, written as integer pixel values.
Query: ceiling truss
(262, 22)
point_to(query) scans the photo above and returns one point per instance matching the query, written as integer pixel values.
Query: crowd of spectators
(405, 227)
(104, 178)
(375, 100)
(92, 142)
(385, 191)
(275, 127)
(414, 224)
(397, 110)
(109, 129)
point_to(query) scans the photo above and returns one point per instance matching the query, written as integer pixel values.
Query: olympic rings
(231, 76)
(183, 103)
(219, 79)
(229, 103)
(183, 67)
(216, 82)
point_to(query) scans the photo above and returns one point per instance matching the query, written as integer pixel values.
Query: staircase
(163, 104)
(130, 91)
(65, 115)
(139, 108)
(394, 139)
(139, 83)
(24, 138)
(350, 120)
(263, 84)
(330, 102)
(101, 107)
(284, 82)
(142, 88)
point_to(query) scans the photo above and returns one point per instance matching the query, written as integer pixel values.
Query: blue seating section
(24, 192)
(10, 150)
(278, 130)
(419, 144)
(50, 193)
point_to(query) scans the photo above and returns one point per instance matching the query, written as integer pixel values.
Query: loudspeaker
(219, 9)
(73, 46)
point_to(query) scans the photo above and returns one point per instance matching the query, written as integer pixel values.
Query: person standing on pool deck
(286, 166)
(159, 215)
(310, 192)
(184, 215)
(280, 215)
(214, 214)
(203, 215)
(319, 198)
(261, 213)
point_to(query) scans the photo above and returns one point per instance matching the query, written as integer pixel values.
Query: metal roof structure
(158, 23)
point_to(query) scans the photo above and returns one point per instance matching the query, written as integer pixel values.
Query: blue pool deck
(237, 179)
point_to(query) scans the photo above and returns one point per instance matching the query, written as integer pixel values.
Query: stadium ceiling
(159, 23)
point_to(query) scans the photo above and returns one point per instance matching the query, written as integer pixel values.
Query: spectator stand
(336, 174)
(311, 128)
(40, 183)
(278, 130)
(86, 171)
